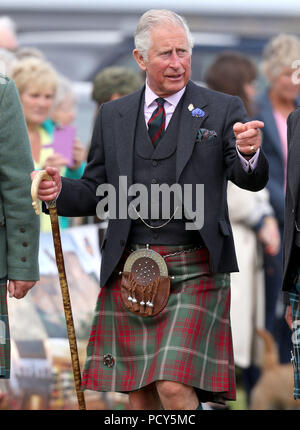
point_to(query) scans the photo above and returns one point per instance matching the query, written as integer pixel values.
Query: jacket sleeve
(21, 225)
(253, 180)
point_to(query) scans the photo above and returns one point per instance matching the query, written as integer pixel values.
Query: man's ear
(139, 59)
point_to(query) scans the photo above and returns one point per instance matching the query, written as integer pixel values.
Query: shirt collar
(174, 99)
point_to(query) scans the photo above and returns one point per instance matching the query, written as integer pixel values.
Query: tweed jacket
(209, 161)
(19, 226)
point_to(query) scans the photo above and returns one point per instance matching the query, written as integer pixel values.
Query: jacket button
(154, 181)
(154, 163)
(122, 242)
(293, 211)
(22, 230)
(23, 259)
(25, 244)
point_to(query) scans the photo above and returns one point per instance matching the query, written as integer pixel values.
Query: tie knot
(160, 101)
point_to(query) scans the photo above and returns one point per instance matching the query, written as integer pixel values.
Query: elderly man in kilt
(161, 330)
(19, 230)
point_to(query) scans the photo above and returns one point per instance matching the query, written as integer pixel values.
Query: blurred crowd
(49, 105)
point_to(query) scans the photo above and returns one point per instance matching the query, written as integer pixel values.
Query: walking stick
(62, 280)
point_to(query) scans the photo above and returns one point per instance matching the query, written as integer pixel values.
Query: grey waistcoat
(156, 166)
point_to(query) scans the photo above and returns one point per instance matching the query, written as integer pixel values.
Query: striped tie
(156, 124)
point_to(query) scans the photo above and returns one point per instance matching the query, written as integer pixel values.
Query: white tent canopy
(235, 7)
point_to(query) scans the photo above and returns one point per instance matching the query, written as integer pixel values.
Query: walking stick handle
(39, 176)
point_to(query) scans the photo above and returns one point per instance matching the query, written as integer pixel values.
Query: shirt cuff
(249, 164)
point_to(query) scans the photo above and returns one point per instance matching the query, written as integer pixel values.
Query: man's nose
(174, 60)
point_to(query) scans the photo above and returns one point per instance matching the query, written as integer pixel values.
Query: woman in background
(37, 83)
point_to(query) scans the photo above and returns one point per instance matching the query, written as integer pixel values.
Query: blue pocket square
(204, 135)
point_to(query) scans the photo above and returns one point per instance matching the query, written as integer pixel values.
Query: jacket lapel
(128, 114)
(188, 127)
(293, 172)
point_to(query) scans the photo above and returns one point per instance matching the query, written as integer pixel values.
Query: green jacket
(19, 226)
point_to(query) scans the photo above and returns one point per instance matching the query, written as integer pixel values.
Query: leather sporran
(145, 284)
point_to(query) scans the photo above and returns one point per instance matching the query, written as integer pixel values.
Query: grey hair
(280, 52)
(7, 61)
(154, 18)
(64, 91)
(28, 51)
(6, 23)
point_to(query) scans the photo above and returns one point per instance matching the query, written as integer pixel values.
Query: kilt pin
(188, 342)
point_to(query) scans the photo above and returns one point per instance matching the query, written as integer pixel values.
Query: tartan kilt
(4, 332)
(188, 342)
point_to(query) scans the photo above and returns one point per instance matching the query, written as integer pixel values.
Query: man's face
(168, 66)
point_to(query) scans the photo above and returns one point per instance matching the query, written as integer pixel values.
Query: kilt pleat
(189, 341)
(4, 332)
